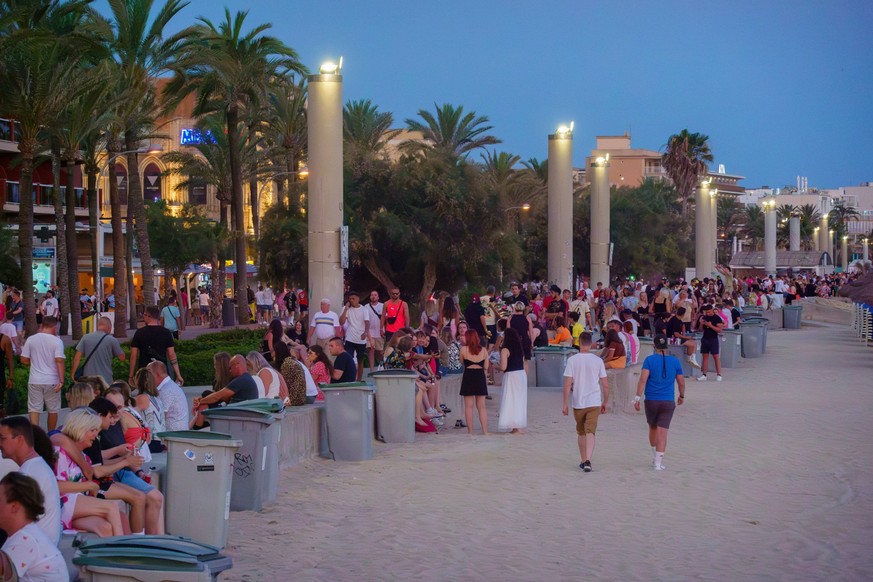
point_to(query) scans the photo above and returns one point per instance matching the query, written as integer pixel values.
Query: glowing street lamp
(560, 207)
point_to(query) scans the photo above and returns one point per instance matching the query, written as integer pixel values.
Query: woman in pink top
(320, 368)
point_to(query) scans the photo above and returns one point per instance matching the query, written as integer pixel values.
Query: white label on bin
(264, 458)
(227, 507)
(370, 402)
(207, 459)
(738, 339)
(190, 455)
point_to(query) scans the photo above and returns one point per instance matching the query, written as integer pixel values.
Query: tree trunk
(65, 301)
(72, 250)
(119, 255)
(253, 200)
(373, 267)
(216, 297)
(136, 211)
(95, 231)
(429, 282)
(279, 184)
(238, 212)
(133, 316)
(25, 232)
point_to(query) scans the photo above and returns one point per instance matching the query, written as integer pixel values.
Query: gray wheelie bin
(730, 346)
(752, 333)
(257, 423)
(395, 405)
(766, 323)
(792, 315)
(149, 559)
(348, 407)
(550, 364)
(198, 484)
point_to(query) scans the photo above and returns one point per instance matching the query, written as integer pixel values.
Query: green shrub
(195, 361)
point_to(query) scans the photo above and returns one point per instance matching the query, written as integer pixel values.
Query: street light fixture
(524, 207)
(331, 68)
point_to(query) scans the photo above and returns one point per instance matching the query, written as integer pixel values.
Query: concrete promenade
(769, 477)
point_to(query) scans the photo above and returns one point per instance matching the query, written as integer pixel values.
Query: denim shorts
(130, 478)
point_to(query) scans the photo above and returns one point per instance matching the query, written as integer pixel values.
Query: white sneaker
(661, 467)
(694, 363)
(718, 378)
(702, 378)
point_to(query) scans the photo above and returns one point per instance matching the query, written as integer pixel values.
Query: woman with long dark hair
(513, 402)
(474, 383)
(320, 368)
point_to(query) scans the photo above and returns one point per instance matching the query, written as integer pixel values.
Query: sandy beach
(768, 478)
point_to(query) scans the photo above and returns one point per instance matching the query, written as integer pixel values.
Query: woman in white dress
(513, 403)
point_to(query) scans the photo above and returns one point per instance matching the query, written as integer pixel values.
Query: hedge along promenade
(195, 361)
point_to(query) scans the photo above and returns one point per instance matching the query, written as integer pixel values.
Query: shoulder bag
(80, 371)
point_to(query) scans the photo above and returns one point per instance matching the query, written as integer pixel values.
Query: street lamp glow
(526, 207)
(154, 148)
(564, 131)
(331, 68)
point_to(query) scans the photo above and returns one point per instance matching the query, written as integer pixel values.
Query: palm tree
(809, 220)
(231, 71)
(38, 75)
(141, 54)
(753, 224)
(840, 216)
(685, 159)
(210, 166)
(286, 133)
(366, 130)
(450, 131)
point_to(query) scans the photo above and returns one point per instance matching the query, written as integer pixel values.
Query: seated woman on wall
(83, 503)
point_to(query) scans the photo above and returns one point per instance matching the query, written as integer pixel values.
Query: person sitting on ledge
(242, 387)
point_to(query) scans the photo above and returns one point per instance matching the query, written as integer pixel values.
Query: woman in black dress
(523, 326)
(474, 383)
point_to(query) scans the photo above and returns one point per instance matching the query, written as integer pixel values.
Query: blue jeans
(130, 478)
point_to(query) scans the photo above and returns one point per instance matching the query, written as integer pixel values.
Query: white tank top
(272, 391)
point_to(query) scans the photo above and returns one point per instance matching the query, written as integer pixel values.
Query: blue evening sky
(783, 88)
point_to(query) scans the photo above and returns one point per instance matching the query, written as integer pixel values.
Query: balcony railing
(42, 195)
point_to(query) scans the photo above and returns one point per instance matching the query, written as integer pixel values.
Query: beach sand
(769, 477)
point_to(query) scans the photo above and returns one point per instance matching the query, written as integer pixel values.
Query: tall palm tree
(286, 133)
(809, 220)
(366, 130)
(450, 131)
(231, 70)
(686, 160)
(840, 216)
(141, 54)
(209, 165)
(37, 73)
(753, 224)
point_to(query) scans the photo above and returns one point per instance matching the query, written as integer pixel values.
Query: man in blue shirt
(658, 377)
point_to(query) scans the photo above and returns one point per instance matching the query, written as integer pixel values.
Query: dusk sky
(782, 88)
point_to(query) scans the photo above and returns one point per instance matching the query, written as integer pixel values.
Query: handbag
(80, 371)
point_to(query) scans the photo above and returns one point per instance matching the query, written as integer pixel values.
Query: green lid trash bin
(395, 405)
(198, 484)
(792, 315)
(149, 558)
(257, 423)
(730, 346)
(348, 407)
(550, 364)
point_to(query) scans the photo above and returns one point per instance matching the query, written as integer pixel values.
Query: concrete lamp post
(794, 232)
(816, 237)
(560, 207)
(844, 253)
(830, 247)
(703, 239)
(770, 236)
(864, 252)
(600, 225)
(713, 227)
(325, 199)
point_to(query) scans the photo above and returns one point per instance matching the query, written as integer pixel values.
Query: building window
(152, 183)
(197, 192)
(12, 194)
(121, 179)
(5, 130)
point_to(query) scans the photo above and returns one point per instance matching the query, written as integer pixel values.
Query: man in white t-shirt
(324, 325)
(16, 443)
(28, 554)
(356, 318)
(8, 329)
(376, 345)
(203, 304)
(44, 353)
(586, 375)
(49, 305)
(580, 306)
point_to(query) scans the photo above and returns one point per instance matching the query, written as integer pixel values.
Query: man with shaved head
(242, 387)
